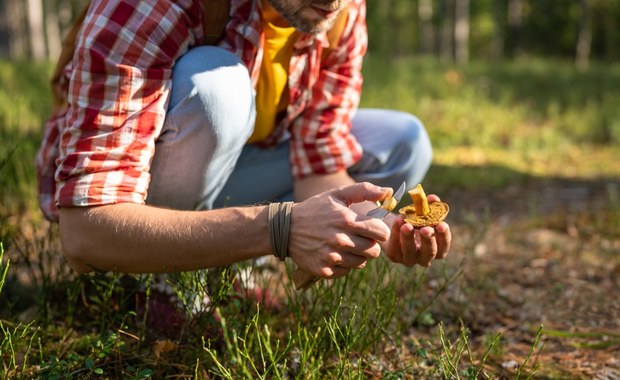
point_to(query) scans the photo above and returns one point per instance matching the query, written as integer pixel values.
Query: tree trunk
(384, 42)
(427, 31)
(461, 31)
(36, 33)
(4, 31)
(515, 25)
(18, 47)
(446, 43)
(392, 21)
(584, 38)
(497, 42)
(52, 32)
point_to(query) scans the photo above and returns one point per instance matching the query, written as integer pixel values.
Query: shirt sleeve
(118, 93)
(320, 137)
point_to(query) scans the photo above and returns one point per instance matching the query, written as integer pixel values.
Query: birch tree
(427, 30)
(36, 33)
(52, 31)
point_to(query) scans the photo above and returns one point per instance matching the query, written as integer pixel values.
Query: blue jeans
(201, 160)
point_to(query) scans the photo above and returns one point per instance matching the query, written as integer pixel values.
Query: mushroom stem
(420, 202)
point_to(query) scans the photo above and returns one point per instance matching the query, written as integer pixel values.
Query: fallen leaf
(163, 346)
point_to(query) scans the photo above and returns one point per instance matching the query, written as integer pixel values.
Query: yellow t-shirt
(272, 94)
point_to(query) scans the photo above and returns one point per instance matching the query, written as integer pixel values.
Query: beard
(296, 15)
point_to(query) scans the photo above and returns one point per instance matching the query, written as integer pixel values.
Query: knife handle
(303, 280)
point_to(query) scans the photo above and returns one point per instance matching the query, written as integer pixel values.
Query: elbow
(76, 254)
(76, 244)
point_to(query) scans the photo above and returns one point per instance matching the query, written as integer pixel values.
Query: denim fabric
(201, 159)
(210, 116)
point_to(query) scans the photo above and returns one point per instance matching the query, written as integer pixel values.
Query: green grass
(498, 123)
(492, 125)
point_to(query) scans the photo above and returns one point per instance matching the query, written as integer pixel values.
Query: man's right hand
(328, 238)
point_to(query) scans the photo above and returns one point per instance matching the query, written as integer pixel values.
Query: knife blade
(380, 212)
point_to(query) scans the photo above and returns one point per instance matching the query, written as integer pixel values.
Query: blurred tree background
(452, 30)
(462, 30)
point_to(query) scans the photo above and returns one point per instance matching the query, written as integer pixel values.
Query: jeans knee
(415, 144)
(220, 84)
(419, 140)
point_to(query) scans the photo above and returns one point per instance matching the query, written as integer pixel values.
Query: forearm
(142, 239)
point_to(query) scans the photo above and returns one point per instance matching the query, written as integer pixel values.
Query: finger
(352, 261)
(433, 198)
(357, 245)
(444, 239)
(360, 192)
(365, 226)
(428, 246)
(344, 259)
(408, 245)
(334, 272)
(395, 252)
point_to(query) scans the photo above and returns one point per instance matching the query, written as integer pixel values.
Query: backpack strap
(214, 20)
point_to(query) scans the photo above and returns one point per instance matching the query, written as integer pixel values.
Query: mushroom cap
(438, 212)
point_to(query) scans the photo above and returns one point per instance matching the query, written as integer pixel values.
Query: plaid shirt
(98, 150)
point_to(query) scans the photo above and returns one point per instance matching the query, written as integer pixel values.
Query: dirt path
(544, 254)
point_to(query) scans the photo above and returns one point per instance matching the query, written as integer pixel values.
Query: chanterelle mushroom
(421, 213)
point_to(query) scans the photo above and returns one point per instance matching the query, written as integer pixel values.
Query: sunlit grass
(536, 117)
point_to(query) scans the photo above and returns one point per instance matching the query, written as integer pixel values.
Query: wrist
(279, 223)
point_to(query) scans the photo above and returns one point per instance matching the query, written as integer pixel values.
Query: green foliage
(549, 28)
(24, 95)
(529, 105)
(24, 103)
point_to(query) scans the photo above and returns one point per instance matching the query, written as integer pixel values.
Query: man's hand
(328, 238)
(410, 246)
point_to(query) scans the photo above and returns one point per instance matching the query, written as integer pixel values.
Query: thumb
(360, 192)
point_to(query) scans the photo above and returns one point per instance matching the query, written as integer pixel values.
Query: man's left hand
(410, 246)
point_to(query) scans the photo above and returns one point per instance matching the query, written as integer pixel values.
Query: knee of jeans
(220, 83)
(415, 139)
(417, 146)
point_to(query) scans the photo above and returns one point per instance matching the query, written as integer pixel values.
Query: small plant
(16, 340)
(4, 269)
(344, 334)
(254, 354)
(534, 346)
(450, 361)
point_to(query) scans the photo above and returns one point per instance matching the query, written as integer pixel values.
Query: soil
(544, 253)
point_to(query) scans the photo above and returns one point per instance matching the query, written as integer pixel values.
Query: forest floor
(530, 171)
(544, 253)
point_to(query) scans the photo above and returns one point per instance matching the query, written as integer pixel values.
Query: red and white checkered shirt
(98, 150)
